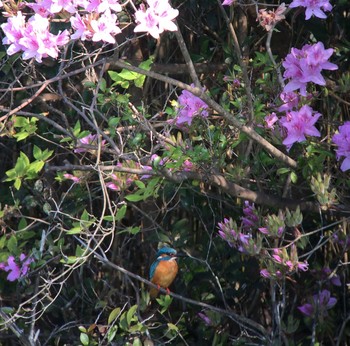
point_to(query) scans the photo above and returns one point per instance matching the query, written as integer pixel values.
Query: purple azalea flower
(301, 123)
(313, 7)
(290, 101)
(320, 302)
(16, 270)
(228, 2)
(205, 318)
(250, 218)
(189, 107)
(264, 230)
(265, 273)
(342, 140)
(307, 309)
(305, 65)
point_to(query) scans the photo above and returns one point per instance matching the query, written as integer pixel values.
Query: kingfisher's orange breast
(165, 273)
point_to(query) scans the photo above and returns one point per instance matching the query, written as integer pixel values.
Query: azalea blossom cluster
(16, 268)
(241, 237)
(305, 65)
(32, 37)
(318, 304)
(94, 20)
(282, 263)
(302, 66)
(268, 19)
(241, 240)
(190, 106)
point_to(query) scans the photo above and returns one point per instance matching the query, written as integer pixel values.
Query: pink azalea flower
(313, 7)
(158, 17)
(82, 27)
(342, 140)
(101, 6)
(105, 28)
(60, 5)
(187, 165)
(304, 266)
(270, 120)
(268, 19)
(33, 37)
(71, 177)
(89, 140)
(111, 185)
(301, 123)
(228, 2)
(13, 30)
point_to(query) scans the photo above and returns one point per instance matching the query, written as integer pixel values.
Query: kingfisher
(163, 270)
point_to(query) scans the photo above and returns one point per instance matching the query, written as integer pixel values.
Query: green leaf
(84, 339)
(283, 170)
(121, 212)
(74, 230)
(128, 75)
(134, 198)
(36, 167)
(12, 244)
(137, 342)
(2, 241)
(17, 184)
(113, 315)
(131, 314)
(293, 177)
(85, 216)
(112, 333)
(140, 184)
(133, 230)
(114, 76)
(20, 136)
(37, 152)
(22, 224)
(172, 326)
(109, 218)
(21, 121)
(69, 259)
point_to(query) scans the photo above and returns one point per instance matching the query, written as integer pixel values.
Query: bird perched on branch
(163, 270)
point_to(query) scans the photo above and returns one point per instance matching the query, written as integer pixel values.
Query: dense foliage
(219, 128)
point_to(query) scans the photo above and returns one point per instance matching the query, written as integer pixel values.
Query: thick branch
(227, 115)
(240, 320)
(217, 180)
